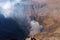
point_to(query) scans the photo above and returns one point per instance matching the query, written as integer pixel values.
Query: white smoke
(35, 28)
(15, 10)
(7, 7)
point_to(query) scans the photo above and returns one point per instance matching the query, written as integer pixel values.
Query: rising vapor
(16, 9)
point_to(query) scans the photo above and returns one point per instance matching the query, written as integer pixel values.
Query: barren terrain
(50, 12)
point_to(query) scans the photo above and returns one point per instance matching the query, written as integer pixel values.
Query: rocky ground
(50, 14)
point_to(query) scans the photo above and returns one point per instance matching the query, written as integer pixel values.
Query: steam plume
(16, 11)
